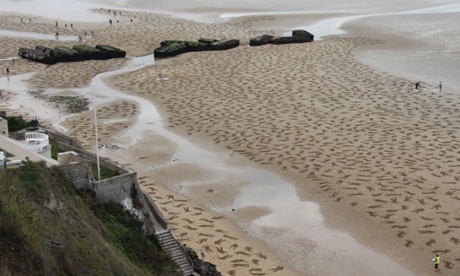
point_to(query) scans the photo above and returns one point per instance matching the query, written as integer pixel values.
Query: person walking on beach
(440, 85)
(7, 71)
(437, 262)
(57, 36)
(417, 85)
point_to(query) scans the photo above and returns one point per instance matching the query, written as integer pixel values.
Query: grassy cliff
(49, 228)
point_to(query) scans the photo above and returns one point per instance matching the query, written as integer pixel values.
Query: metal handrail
(187, 256)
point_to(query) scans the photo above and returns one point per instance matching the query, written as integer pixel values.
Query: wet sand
(368, 162)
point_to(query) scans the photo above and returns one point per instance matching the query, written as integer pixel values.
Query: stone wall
(69, 144)
(80, 174)
(123, 188)
(117, 188)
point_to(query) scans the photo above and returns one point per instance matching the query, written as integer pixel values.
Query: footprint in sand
(430, 242)
(188, 220)
(243, 253)
(276, 269)
(455, 240)
(220, 250)
(449, 265)
(225, 257)
(409, 243)
(190, 228)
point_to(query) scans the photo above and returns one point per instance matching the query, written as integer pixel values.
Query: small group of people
(114, 12)
(418, 83)
(87, 34)
(65, 25)
(111, 22)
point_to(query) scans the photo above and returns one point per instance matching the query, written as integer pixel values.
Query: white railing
(40, 139)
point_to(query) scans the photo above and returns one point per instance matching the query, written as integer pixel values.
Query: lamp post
(97, 138)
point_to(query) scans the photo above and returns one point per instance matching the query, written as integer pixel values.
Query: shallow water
(32, 35)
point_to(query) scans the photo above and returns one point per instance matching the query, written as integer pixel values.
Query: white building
(2, 159)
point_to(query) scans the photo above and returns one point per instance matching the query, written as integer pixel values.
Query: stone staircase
(172, 247)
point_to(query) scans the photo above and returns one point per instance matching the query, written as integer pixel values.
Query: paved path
(20, 153)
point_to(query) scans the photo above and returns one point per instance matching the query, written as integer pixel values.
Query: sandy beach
(300, 159)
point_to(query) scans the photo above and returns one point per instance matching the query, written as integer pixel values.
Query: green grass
(47, 228)
(125, 232)
(105, 172)
(55, 149)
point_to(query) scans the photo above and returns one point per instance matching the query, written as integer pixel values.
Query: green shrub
(57, 231)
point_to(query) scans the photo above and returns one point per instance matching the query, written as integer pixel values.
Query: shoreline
(295, 85)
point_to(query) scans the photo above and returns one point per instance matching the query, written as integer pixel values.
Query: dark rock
(39, 56)
(90, 52)
(298, 36)
(171, 48)
(225, 44)
(261, 40)
(66, 54)
(303, 33)
(45, 50)
(26, 53)
(290, 39)
(111, 52)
